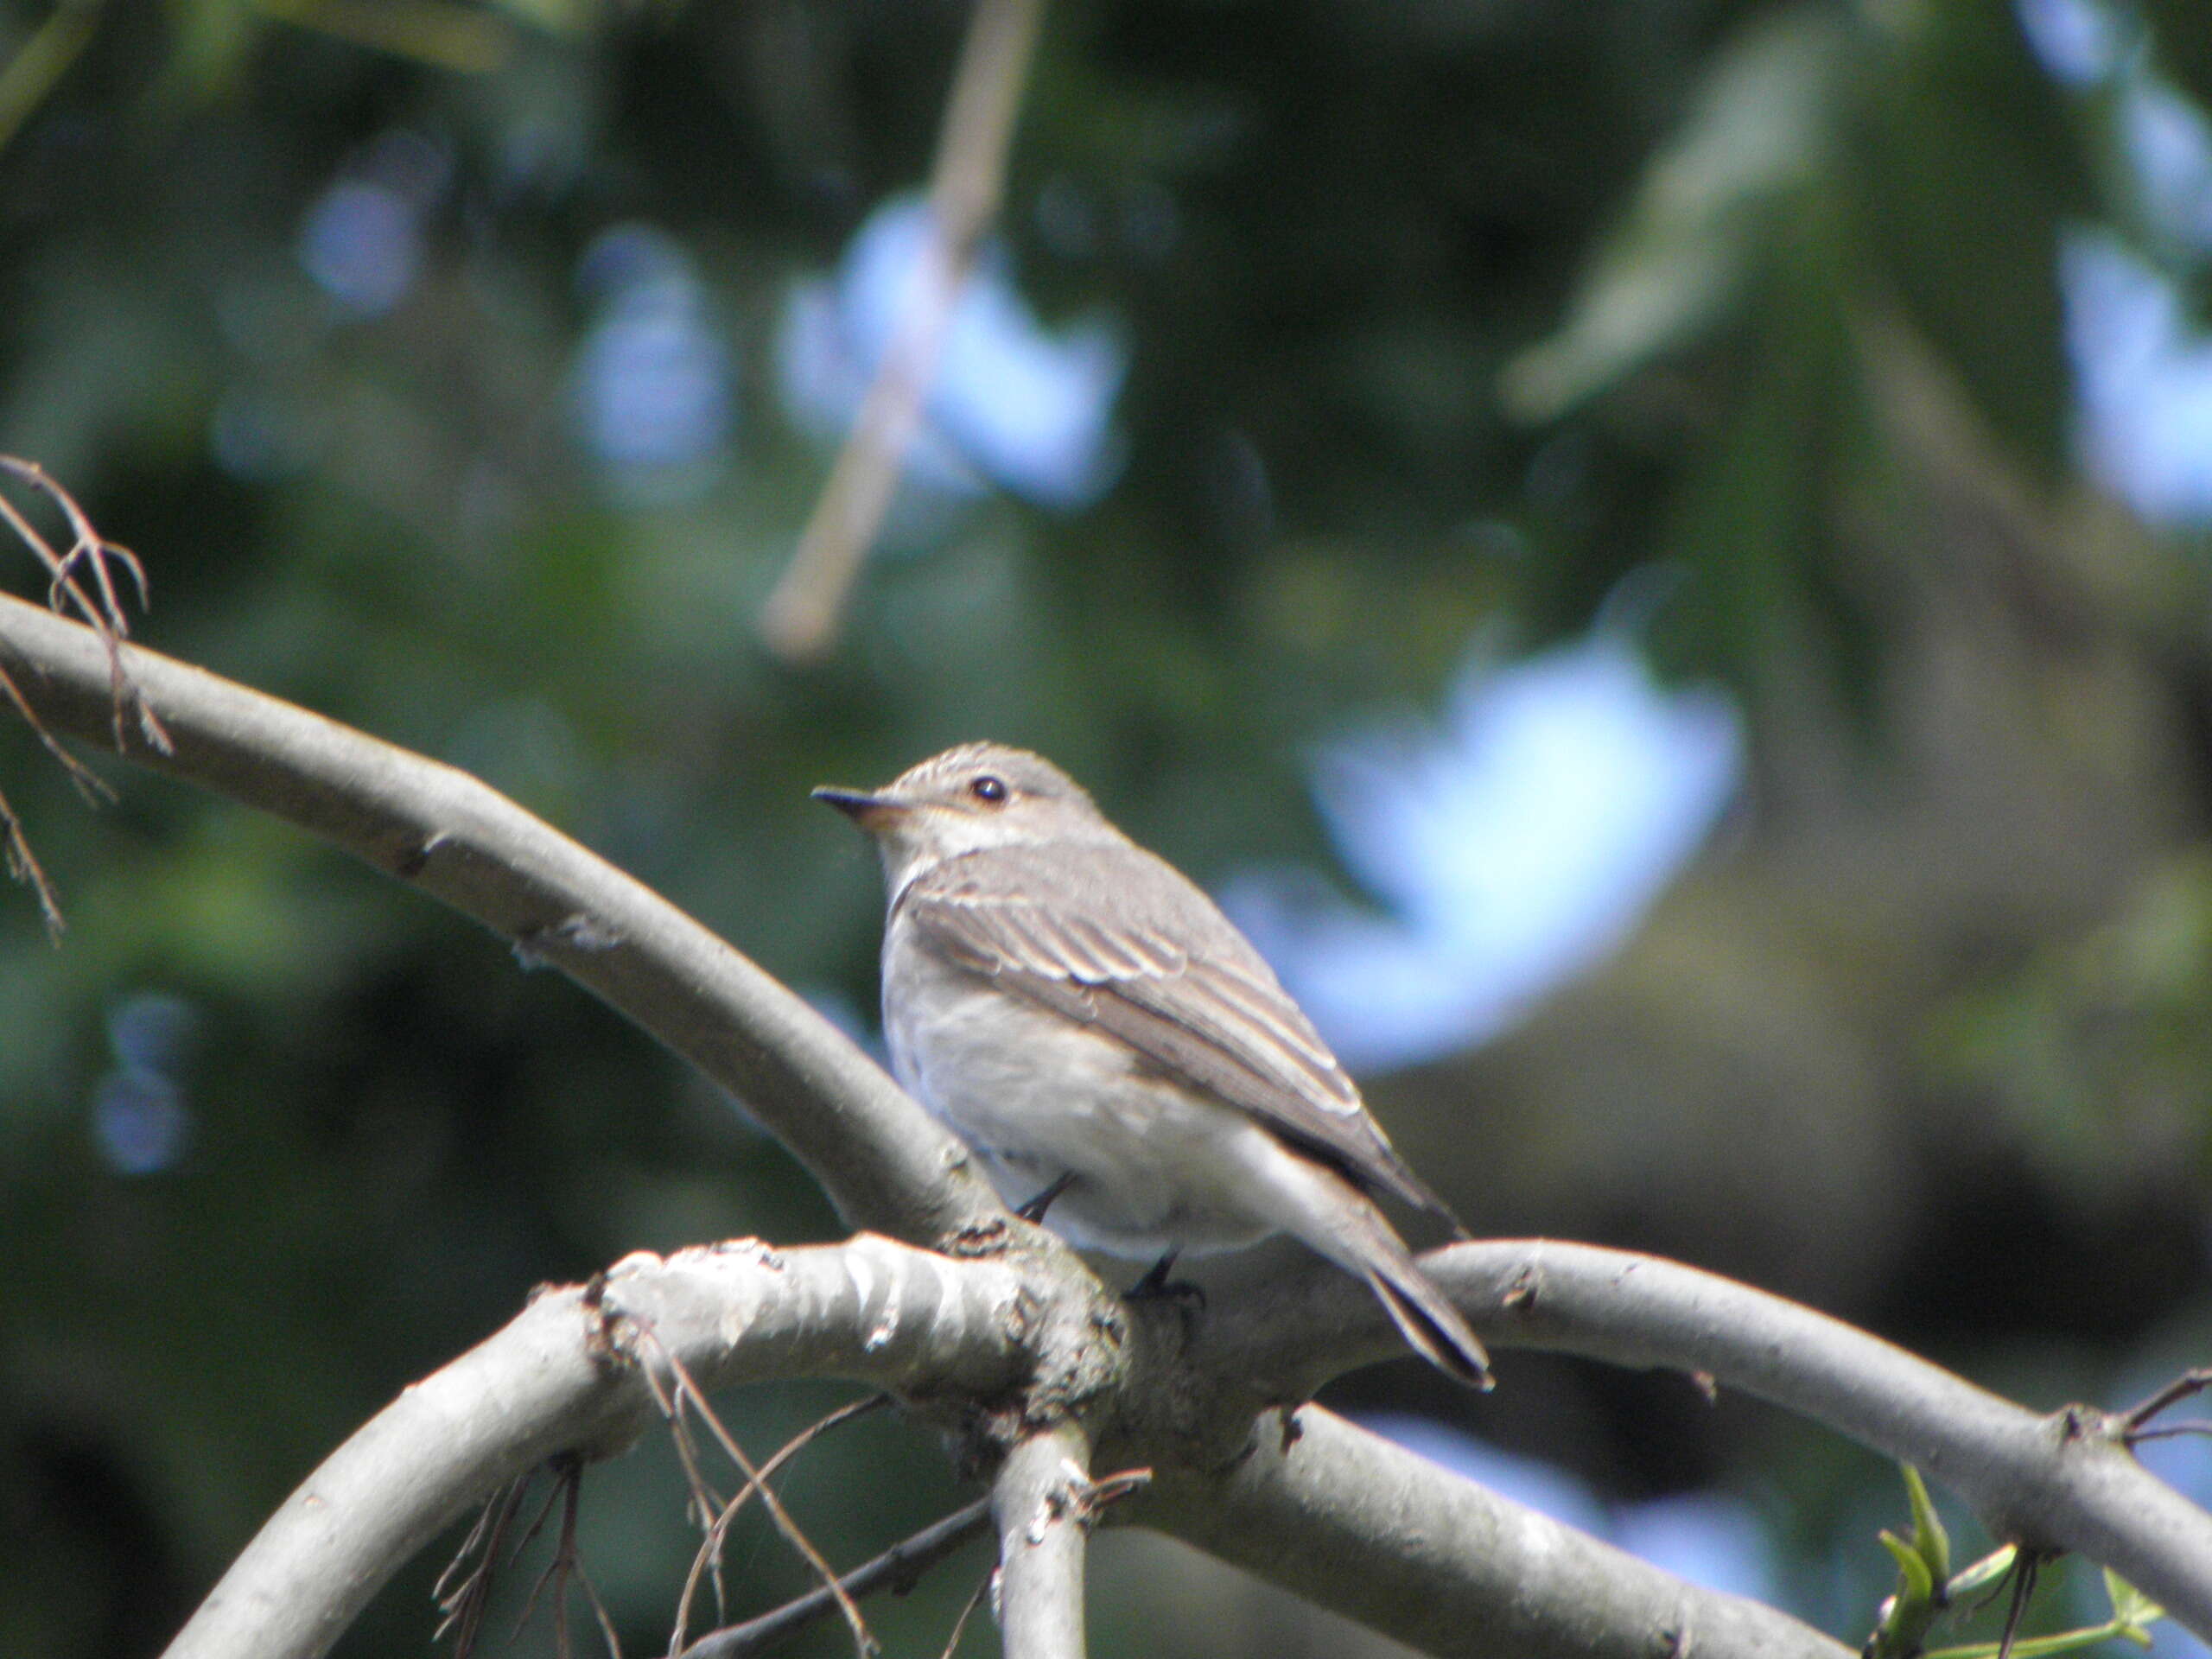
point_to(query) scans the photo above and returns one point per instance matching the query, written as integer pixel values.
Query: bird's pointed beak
(864, 807)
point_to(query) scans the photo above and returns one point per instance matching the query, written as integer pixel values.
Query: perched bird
(1120, 1057)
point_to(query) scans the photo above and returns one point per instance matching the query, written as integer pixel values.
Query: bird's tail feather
(1317, 1204)
(1438, 1331)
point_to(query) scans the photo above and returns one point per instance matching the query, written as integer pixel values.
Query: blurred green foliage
(1446, 318)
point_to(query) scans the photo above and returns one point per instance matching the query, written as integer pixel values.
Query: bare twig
(569, 1557)
(863, 1642)
(802, 617)
(93, 789)
(967, 1611)
(92, 554)
(566, 1565)
(1104, 1494)
(705, 1502)
(23, 865)
(88, 550)
(565, 1484)
(2027, 1567)
(570, 1374)
(896, 1569)
(2186, 1385)
(2171, 1431)
(462, 1604)
(708, 1558)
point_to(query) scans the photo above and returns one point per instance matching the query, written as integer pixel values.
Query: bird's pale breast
(1037, 1094)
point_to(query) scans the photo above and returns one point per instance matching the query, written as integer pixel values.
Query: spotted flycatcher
(1086, 1020)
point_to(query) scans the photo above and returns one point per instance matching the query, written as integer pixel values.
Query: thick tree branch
(2066, 1481)
(568, 1375)
(1040, 1503)
(885, 1163)
(1368, 1530)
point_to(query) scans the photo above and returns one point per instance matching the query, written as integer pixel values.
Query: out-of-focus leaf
(1973, 167)
(33, 66)
(2183, 44)
(1747, 522)
(465, 40)
(556, 16)
(2097, 1049)
(212, 40)
(1757, 133)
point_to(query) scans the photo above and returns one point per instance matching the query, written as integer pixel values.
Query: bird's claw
(1156, 1284)
(1034, 1211)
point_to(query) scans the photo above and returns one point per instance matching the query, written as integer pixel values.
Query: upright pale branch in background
(38, 67)
(802, 617)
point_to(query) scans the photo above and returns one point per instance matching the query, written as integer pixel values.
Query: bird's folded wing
(1106, 951)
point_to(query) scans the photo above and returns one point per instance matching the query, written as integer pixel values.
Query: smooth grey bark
(1040, 1503)
(1342, 1518)
(2063, 1480)
(1368, 1530)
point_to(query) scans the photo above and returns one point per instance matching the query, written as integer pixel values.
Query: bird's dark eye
(988, 790)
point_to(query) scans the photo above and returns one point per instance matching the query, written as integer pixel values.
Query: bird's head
(969, 798)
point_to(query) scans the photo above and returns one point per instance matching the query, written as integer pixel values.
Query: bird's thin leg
(1034, 1210)
(1156, 1282)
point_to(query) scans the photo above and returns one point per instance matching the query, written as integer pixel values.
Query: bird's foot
(1034, 1211)
(1156, 1284)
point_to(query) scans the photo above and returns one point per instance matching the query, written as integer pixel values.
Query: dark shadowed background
(1653, 552)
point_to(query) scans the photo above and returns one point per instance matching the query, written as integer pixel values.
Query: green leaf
(2132, 1612)
(1698, 228)
(1919, 1584)
(1972, 167)
(1927, 1534)
(1986, 1571)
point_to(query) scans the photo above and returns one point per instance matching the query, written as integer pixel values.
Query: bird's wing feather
(1100, 944)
